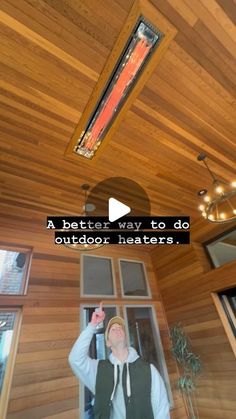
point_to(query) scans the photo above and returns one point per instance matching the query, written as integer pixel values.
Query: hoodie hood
(132, 356)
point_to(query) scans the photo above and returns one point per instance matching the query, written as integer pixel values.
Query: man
(125, 387)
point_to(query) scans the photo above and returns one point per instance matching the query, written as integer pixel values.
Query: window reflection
(7, 320)
(13, 266)
(145, 338)
(223, 249)
(97, 276)
(133, 279)
(228, 301)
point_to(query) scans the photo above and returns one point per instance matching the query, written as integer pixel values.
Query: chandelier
(219, 202)
(87, 208)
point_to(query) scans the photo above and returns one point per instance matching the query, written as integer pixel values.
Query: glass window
(133, 279)
(223, 249)
(228, 301)
(97, 276)
(145, 338)
(14, 267)
(98, 350)
(7, 320)
(9, 332)
(225, 302)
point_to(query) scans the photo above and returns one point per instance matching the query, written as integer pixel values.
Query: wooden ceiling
(52, 53)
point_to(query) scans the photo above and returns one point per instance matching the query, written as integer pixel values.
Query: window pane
(133, 278)
(145, 338)
(97, 276)
(13, 270)
(228, 301)
(223, 249)
(7, 320)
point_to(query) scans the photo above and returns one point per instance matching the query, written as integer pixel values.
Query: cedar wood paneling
(186, 281)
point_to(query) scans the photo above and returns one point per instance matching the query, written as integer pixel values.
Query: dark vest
(138, 406)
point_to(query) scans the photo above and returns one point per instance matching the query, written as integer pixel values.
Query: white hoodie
(85, 368)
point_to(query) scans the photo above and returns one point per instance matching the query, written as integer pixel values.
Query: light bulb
(233, 184)
(222, 215)
(234, 211)
(219, 189)
(204, 214)
(206, 198)
(211, 217)
(201, 207)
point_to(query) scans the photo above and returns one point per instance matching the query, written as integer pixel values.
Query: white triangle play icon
(117, 209)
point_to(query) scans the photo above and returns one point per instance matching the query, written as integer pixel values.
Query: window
(144, 336)
(98, 350)
(223, 249)
(14, 269)
(97, 276)
(225, 302)
(9, 331)
(133, 279)
(228, 301)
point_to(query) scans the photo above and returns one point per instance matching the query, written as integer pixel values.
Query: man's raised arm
(84, 367)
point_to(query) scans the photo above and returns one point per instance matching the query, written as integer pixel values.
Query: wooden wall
(186, 281)
(43, 385)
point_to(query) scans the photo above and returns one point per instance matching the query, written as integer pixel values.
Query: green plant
(189, 365)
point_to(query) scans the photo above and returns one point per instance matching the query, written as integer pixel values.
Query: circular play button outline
(125, 191)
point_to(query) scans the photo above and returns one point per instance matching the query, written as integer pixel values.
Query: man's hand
(98, 316)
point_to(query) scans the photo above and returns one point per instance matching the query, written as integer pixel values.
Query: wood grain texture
(52, 55)
(186, 282)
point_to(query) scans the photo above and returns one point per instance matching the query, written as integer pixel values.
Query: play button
(117, 209)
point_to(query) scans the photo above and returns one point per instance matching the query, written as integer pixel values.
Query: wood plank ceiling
(52, 53)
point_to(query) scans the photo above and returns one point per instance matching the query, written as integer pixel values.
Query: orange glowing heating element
(143, 41)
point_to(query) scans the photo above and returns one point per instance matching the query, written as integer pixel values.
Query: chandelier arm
(211, 173)
(229, 203)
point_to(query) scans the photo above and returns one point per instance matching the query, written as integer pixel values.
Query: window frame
(135, 297)
(224, 319)
(29, 253)
(7, 380)
(159, 345)
(211, 241)
(97, 296)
